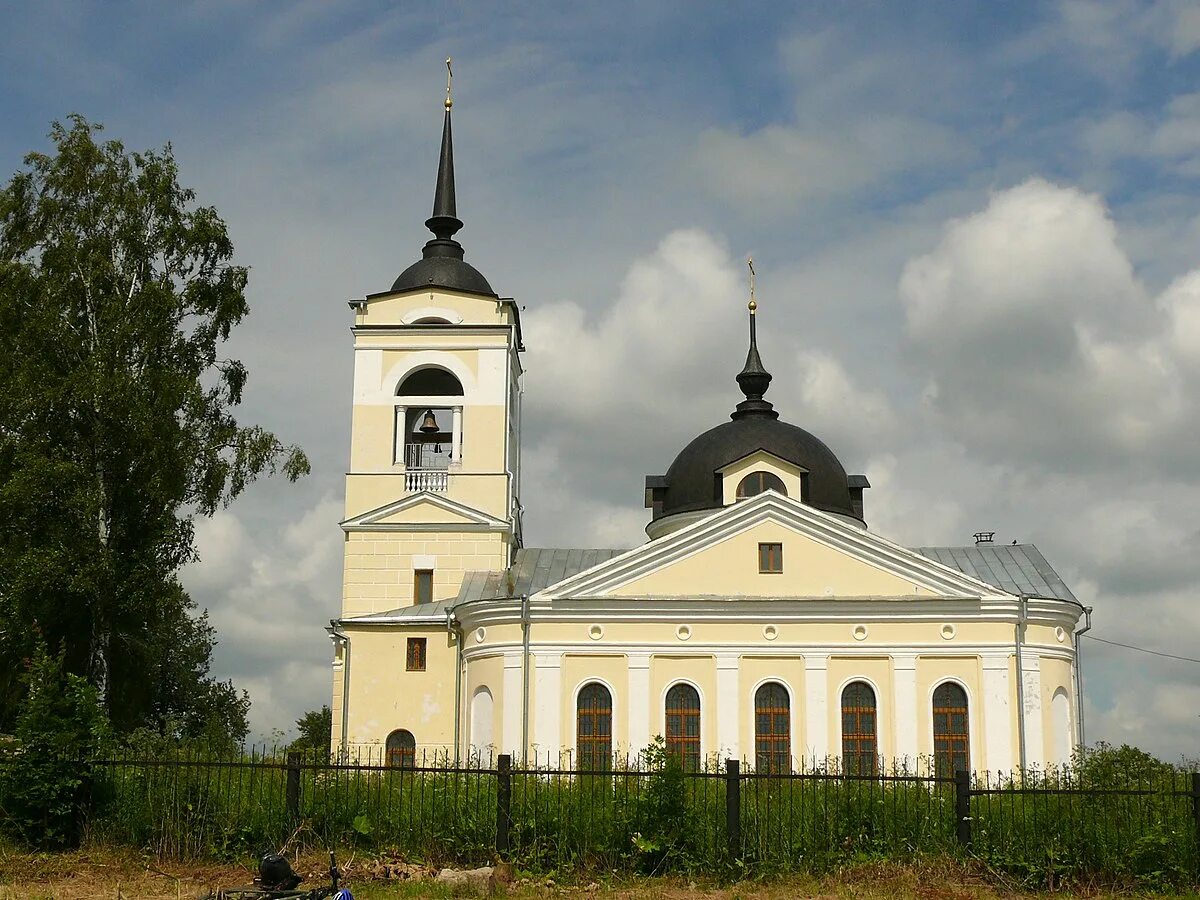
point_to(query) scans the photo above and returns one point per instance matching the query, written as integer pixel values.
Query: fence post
(1196, 810)
(962, 805)
(293, 784)
(503, 802)
(733, 807)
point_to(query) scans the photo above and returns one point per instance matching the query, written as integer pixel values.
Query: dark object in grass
(277, 881)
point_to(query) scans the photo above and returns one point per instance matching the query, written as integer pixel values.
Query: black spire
(753, 379)
(444, 223)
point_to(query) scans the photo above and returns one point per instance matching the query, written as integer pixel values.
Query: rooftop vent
(984, 537)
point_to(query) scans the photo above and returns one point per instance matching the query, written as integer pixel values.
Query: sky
(976, 228)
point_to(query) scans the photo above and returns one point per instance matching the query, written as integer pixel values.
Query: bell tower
(433, 489)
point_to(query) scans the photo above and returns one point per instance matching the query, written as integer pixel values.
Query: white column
(816, 705)
(457, 436)
(638, 720)
(510, 738)
(727, 708)
(398, 438)
(547, 700)
(997, 717)
(1035, 745)
(905, 711)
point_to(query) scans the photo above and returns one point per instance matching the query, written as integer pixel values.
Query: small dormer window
(757, 482)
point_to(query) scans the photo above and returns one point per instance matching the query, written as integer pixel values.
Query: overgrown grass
(1049, 830)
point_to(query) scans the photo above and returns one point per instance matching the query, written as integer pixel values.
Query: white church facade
(762, 619)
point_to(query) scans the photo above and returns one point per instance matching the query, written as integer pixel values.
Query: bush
(46, 774)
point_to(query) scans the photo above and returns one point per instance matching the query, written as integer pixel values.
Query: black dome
(444, 272)
(691, 481)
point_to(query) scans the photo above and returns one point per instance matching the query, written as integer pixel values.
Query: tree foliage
(315, 728)
(117, 292)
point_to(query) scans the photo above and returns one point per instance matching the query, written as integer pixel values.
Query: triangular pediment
(419, 511)
(823, 556)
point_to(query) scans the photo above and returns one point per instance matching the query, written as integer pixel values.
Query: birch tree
(117, 427)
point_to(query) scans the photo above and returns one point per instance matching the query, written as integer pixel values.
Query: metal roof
(1016, 568)
(417, 611)
(531, 571)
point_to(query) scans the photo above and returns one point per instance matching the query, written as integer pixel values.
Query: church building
(761, 620)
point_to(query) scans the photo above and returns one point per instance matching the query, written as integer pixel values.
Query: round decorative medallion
(948, 632)
(770, 632)
(860, 632)
(1060, 633)
(596, 632)
(480, 634)
(683, 632)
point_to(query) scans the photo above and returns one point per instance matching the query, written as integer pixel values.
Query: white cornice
(476, 519)
(818, 526)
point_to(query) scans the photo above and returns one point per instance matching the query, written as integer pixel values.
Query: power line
(1141, 649)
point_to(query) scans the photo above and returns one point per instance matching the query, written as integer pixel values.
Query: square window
(415, 660)
(423, 585)
(770, 558)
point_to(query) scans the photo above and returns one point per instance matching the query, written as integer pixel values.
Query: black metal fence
(1044, 828)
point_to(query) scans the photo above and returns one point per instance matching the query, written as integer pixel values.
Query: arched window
(860, 746)
(683, 725)
(757, 482)
(401, 749)
(772, 728)
(593, 728)
(430, 382)
(428, 433)
(951, 730)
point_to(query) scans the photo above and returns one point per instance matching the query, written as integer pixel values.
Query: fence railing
(1043, 828)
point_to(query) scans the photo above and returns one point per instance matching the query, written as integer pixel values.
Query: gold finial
(752, 305)
(449, 78)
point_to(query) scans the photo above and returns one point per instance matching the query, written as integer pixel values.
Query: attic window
(757, 482)
(770, 559)
(432, 320)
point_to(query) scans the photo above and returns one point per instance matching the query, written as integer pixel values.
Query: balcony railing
(426, 467)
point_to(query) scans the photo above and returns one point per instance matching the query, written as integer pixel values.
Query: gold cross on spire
(449, 78)
(752, 305)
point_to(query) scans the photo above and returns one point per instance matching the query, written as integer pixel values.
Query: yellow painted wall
(1056, 675)
(378, 570)
(932, 670)
(788, 670)
(731, 567)
(577, 669)
(486, 671)
(384, 696)
(877, 672)
(701, 673)
(390, 310)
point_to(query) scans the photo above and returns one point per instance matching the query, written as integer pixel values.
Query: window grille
(860, 748)
(951, 730)
(415, 659)
(683, 725)
(772, 728)
(401, 749)
(593, 728)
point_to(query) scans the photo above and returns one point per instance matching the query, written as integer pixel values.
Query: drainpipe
(1087, 611)
(340, 637)
(525, 626)
(1022, 617)
(455, 632)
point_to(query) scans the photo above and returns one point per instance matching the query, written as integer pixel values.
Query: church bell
(429, 425)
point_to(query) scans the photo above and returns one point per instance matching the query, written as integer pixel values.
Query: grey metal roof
(418, 611)
(1016, 568)
(533, 570)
